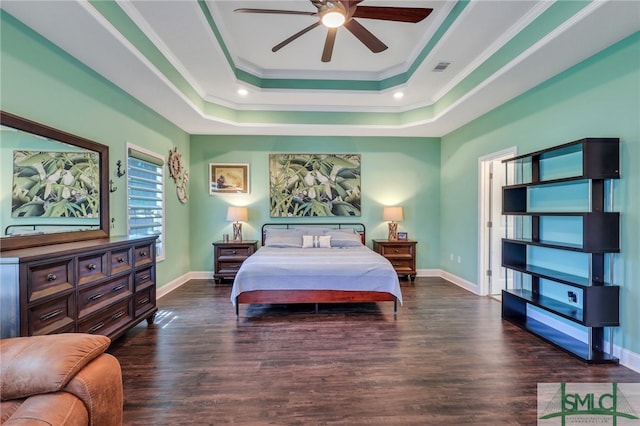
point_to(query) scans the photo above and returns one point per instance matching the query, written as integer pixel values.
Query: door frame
(484, 163)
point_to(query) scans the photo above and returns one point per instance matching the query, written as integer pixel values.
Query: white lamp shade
(394, 214)
(237, 214)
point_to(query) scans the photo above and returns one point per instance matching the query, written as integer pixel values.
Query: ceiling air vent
(441, 66)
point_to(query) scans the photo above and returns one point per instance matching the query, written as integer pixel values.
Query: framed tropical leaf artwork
(314, 185)
(56, 184)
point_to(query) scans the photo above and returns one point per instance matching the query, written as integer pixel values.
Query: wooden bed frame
(314, 296)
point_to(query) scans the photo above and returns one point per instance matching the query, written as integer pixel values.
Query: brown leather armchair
(59, 379)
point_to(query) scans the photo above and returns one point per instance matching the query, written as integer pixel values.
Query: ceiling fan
(336, 13)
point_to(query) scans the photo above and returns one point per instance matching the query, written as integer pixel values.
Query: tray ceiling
(189, 60)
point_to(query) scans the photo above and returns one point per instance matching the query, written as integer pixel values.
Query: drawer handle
(91, 266)
(96, 296)
(121, 259)
(96, 327)
(118, 315)
(143, 277)
(142, 253)
(50, 315)
(52, 277)
(143, 301)
(117, 288)
(397, 251)
(233, 252)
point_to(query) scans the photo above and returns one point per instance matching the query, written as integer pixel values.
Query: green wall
(395, 171)
(41, 82)
(599, 97)
(434, 180)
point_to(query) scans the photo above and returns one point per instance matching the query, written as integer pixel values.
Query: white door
(492, 223)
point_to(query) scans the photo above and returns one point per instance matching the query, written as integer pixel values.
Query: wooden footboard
(313, 296)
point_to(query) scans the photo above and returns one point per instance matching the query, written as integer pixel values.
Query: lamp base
(393, 231)
(237, 231)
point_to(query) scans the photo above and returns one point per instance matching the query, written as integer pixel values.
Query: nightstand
(401, 254)
(228, 257)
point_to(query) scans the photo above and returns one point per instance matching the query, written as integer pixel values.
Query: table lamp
(237, 214)
(393, 215)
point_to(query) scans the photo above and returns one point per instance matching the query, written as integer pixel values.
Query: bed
(319, 263)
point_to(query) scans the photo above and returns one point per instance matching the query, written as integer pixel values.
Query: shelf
(548, 244)
(599, 159)
(559, 201)
(565, 310)
(564, 342)
(600, 233)
(514, 310)
(599, 307)
(550, 182)
(550, 274)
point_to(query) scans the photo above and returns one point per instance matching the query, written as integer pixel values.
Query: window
(145, 195)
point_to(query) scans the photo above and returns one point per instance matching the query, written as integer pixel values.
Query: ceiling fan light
(333, 19)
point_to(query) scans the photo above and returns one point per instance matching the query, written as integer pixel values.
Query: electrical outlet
(459, 259)
(451, 256)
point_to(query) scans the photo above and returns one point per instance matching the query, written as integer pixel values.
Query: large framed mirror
(55, 185)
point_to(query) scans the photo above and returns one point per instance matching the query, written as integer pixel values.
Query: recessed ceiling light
(243, 92)
(398, 95)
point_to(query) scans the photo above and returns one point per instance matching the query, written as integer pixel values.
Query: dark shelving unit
(600, 235)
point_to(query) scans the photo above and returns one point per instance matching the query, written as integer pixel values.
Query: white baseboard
(174, 284)
(429, 273)
(627, 358)
(460, 282)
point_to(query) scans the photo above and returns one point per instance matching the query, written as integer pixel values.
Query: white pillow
(316, 241)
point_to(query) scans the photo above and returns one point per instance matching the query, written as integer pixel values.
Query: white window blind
(145, 195)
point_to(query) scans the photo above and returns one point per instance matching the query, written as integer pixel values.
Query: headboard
(357, 227)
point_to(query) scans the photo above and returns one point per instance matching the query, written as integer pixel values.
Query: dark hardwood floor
(447, 358)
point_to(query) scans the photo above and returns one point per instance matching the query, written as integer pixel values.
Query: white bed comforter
(347, 269)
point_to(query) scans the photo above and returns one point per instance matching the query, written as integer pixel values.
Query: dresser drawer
(401, 264)
(109, 320)
(242, 251)
(121, 260)
(225, 267)
(47, 279)
(393, 250)
(52, 316)
(144, 278)
(143, 254)
(144, 301)
(93, 298)
(92, 268)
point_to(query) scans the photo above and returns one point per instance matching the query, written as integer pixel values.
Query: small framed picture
(403, 236)
(228, 178)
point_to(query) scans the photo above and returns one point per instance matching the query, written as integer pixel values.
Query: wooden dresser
(401, 254)
(102, 286)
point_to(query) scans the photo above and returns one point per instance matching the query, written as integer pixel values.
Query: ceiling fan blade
(398, 14)
(350, 3)
(295, 36)
(372, 42)
(275, 11)
(328, 44)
